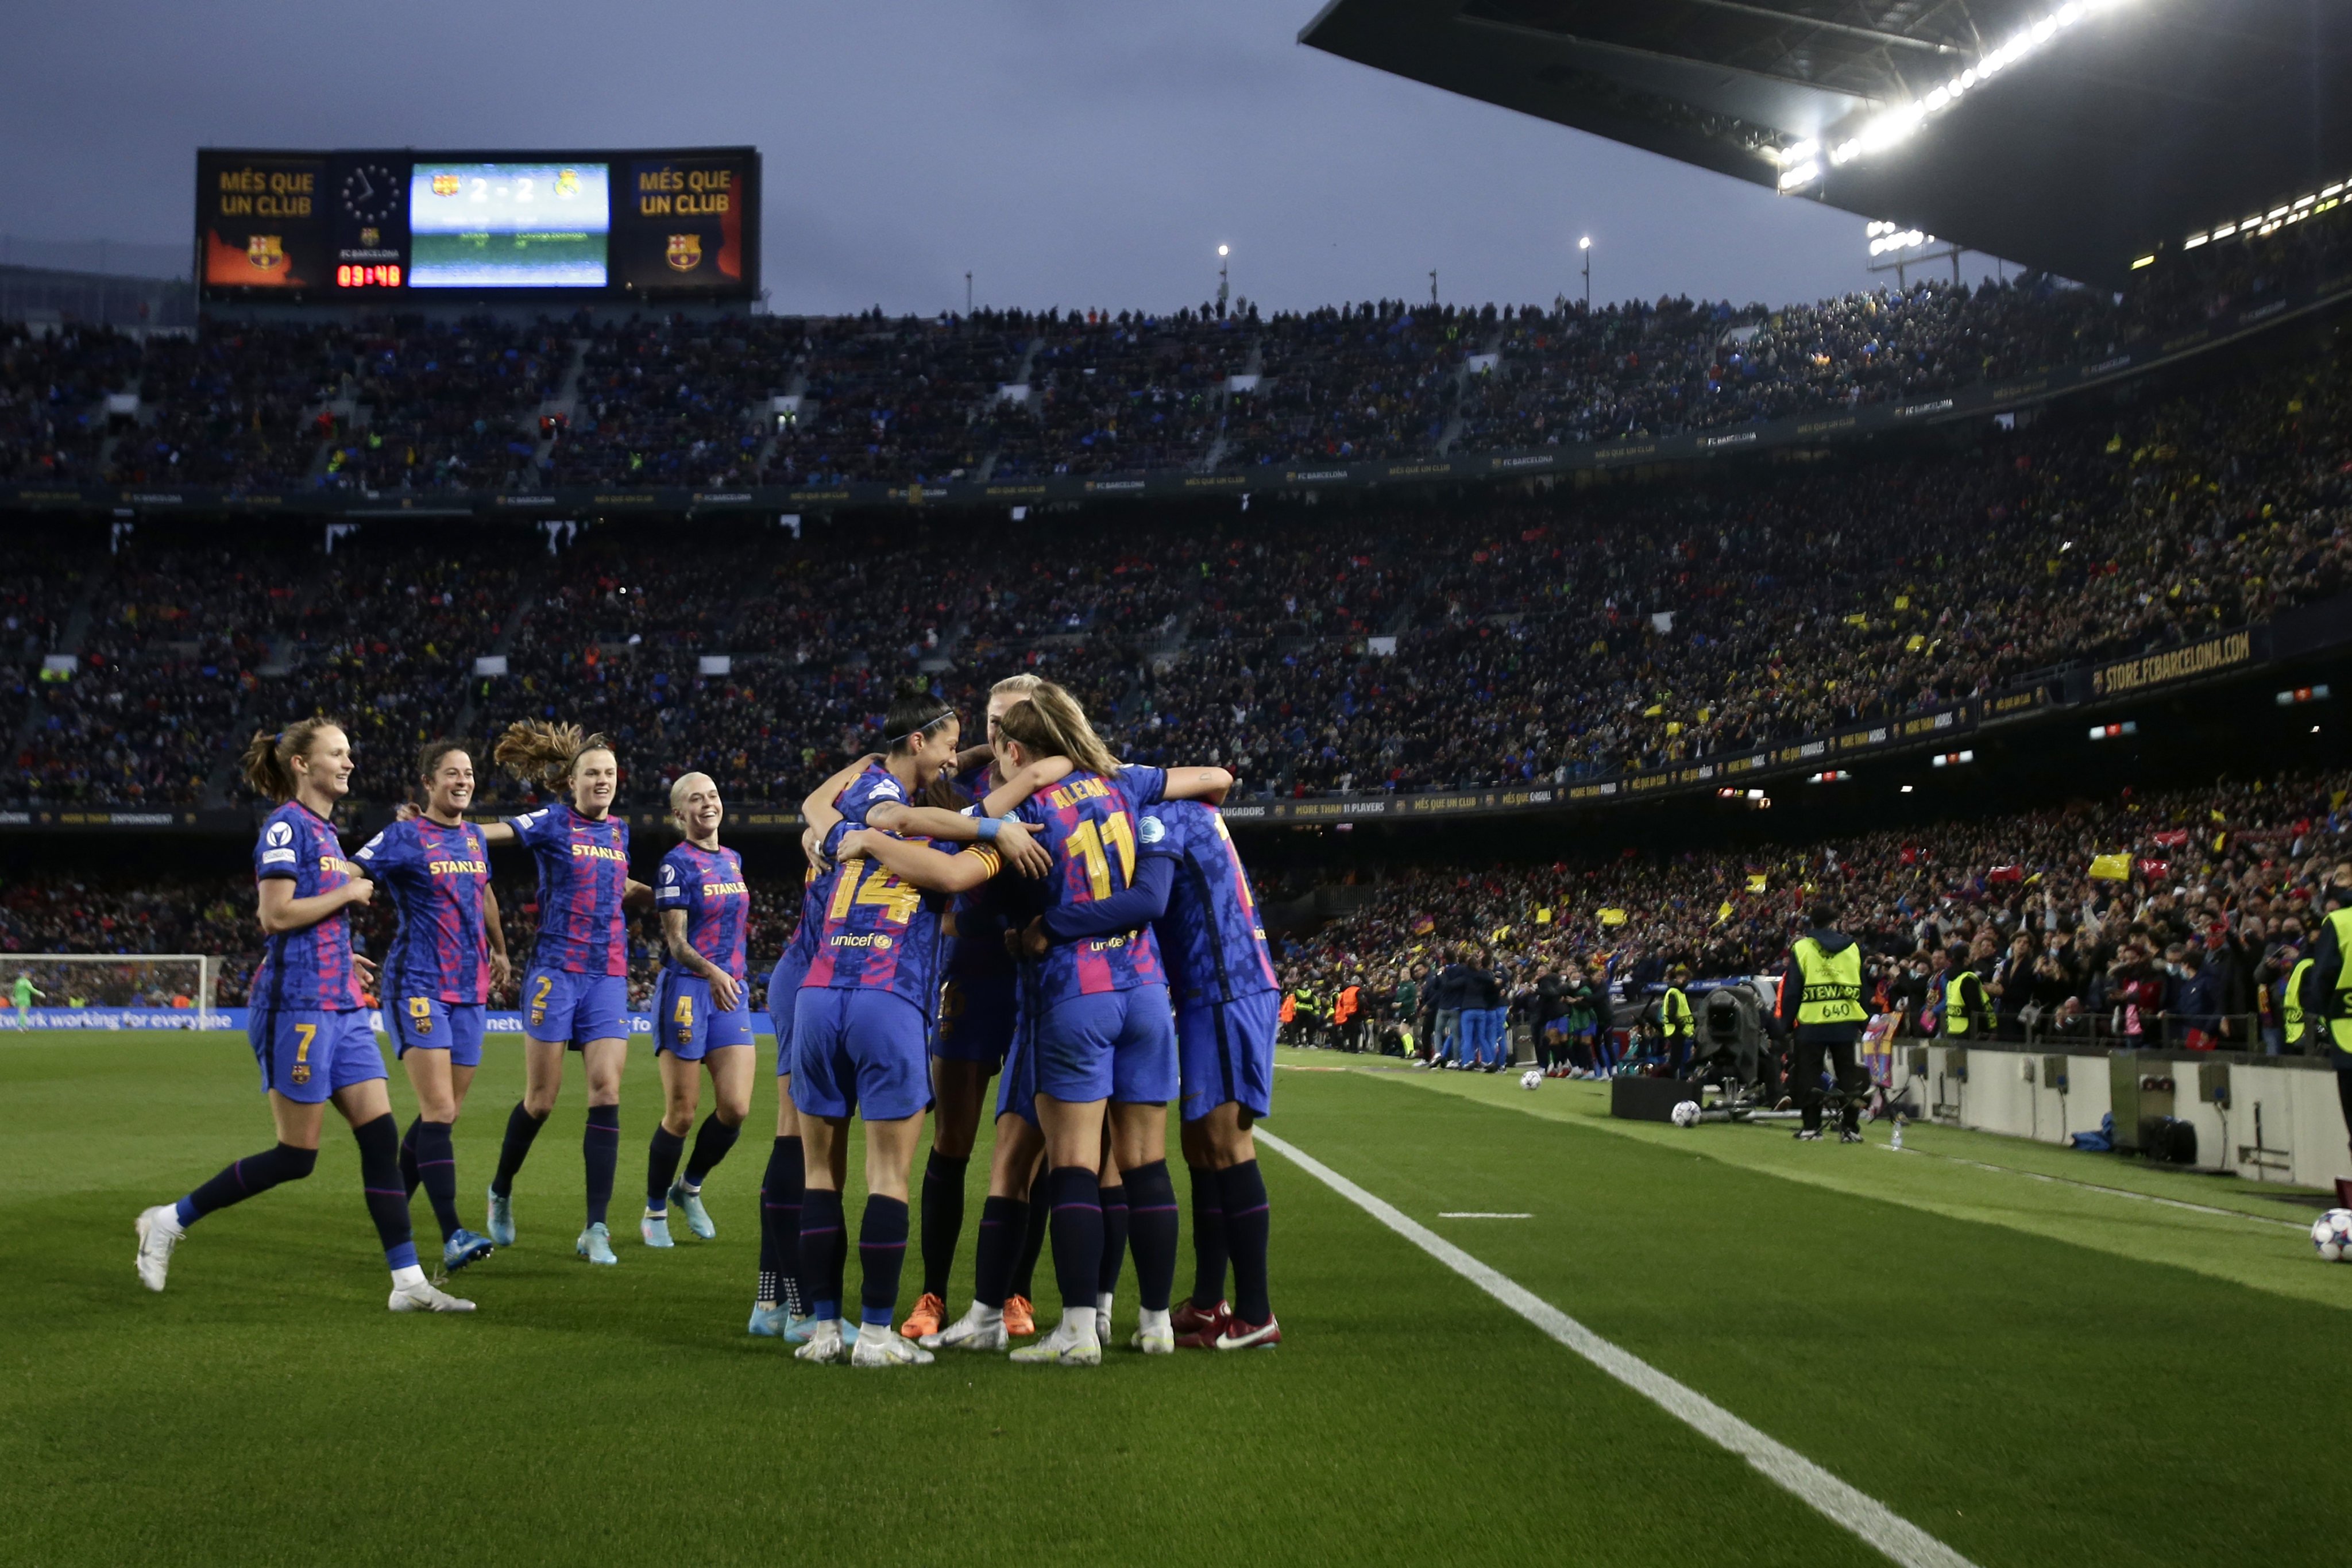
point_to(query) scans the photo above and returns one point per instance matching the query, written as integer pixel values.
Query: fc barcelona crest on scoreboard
(685, 252)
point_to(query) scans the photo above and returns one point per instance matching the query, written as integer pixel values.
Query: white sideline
(1867, 1517)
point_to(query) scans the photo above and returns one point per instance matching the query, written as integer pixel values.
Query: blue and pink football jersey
(1090, 825)
(878, 933)
(308, 969)
(708, 885)
(1211, 939)
(436, 875)
(583, 872)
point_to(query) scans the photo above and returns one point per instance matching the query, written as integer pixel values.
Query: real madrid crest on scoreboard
(343, 226)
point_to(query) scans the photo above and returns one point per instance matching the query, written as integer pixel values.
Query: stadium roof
(2085, 133)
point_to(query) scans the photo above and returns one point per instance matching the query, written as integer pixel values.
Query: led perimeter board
(311, 228)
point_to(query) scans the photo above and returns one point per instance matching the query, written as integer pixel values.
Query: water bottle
(1897, 1140)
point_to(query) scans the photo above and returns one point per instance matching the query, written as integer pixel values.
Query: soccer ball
(1531, 1079)
(1685, 1113)
(2331, 1232)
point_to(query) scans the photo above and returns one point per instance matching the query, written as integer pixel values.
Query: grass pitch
(2030, 1371)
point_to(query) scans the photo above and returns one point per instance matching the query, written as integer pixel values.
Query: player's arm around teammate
(310, 1028)
(861, 1031)
(576, 995)
(701, 1017)
(437, 976)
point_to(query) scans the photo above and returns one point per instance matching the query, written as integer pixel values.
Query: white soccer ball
(1685, 1113)
(2331, 1234)
(1531, 1079)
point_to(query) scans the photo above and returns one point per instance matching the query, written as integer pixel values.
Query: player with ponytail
(309, 1025)
(1095, 1045)
(576, 995)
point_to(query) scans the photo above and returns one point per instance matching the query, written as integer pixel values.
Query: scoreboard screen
(313, 226)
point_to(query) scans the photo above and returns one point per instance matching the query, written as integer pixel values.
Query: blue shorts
(783, 997)
(687, 1023)
(1113, 1044)
(1225, 1051)
(429, 1023)
(561, 1009)
(976, 1020)
(307, 1056)
(860, 1052)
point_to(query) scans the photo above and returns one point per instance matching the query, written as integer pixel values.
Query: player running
(438, 973)
(310, 1023)
(701, 1009)
(576, 995)
(862, 1025)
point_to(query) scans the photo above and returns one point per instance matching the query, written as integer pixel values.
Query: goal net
(33, 984)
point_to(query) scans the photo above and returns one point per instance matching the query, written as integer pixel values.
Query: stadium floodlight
(1896, 126)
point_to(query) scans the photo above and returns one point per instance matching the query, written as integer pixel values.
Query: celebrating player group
(1026, 908)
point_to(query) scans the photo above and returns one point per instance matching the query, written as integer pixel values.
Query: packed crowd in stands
(409, 405)
(1436, 640)
(2182, 934)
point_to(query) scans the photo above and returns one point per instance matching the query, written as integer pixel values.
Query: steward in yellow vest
(1821, 1001)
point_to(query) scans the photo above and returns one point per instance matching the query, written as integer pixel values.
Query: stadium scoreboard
(345, 225)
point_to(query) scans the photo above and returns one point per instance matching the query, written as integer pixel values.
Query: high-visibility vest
(2339, 1012)
(1956, 1004)
(2291, 1004)
(1675, 1013)
(1833, 983)
(1290, 1006)
(1345, 1009)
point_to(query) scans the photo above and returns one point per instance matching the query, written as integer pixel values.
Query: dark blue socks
(428, 1158)
(780, 1227)
(823, 1250)
(1113, 1232)
(881, 1254)
(1075, 1212)
(1033, 1240)
(522, 1128)
(661, 1167)
(1151, 1222)
(245, 1178)
(710, 1146)
(1003, 1227)
(1208, 1238)
(388, 1200)
(942, 1219)
(600, 1151)
(1247, 1226)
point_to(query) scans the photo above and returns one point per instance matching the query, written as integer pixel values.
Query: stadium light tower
(1224, 281)
(1585, 245)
